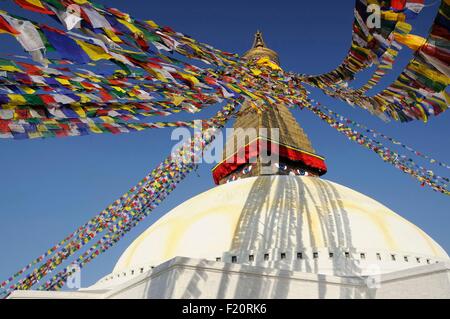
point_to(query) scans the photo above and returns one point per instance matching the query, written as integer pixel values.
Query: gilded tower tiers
(243, 152)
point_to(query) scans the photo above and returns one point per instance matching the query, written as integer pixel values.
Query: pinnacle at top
(259, 41)
(260, 50)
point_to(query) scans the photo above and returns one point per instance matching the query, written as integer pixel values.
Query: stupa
(284, 234)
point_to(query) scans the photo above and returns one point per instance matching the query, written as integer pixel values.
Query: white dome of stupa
(287, 222)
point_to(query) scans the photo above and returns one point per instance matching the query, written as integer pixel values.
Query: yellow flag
(268, 62)
(125, 107)
(392, 52)
(112, 35)
(403, 27)
(393, 16)
(95, 52)
(130, 26)
(158, 75)
(36, 3)
(250, 94)
(422, 112)
(447, 98)
(136, 127)
(412, 41)
(429, 73)
(195, 47)
(94, 128)
(190, 77)
(62, 81)
(34, 134)
(152, 24)
(16, 99)
(107, 119)
(256, 72)
(9, 68)
(118, 88)
(79, 110)
(28, 90)
(177, 100)
(41, 128)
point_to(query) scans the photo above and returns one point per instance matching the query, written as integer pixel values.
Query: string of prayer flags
(121, 216)
(420, 91)
(376, 134)
(370, 40)
(408, 166)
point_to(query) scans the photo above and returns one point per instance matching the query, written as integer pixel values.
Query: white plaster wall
(195, 278)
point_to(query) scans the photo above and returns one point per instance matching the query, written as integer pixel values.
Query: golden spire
(296, 154)
(260, 50)
(259, 41)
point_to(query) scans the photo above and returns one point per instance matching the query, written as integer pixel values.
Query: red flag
(105, 96)
(48, 99)
(6, 27)
(34, 5)
(111, 128)
(4, 128)
(398, 5)
(30, 68)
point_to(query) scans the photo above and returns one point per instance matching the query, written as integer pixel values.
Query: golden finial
(259, 41)
(259, 49)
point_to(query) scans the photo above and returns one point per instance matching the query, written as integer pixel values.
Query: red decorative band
(309, 160)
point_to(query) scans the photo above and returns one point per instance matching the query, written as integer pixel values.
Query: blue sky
(49, 187)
